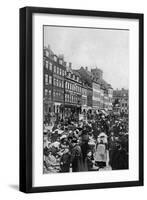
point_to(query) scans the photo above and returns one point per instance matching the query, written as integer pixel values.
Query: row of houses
(68, 91)
(121, 100)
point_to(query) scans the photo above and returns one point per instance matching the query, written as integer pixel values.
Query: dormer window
(55, 58)
(46, 64)
(60, 61)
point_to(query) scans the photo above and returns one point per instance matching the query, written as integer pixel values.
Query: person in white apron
(101, 152)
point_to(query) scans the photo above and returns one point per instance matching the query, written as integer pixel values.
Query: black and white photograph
(85, 99)
(81, 99)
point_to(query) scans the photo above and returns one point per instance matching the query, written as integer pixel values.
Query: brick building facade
(68, 92)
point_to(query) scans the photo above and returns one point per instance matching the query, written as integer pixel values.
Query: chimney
(86, 68)
(70, 65)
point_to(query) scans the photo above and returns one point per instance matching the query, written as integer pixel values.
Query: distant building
(86, 78)
(96, 94)
(98, 73)
(104, 90)
(110, 97)
(121, 100)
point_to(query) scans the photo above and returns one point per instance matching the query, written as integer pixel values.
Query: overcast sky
(106, 49)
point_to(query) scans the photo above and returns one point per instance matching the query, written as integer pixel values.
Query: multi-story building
(73, 93)
(47, 84)
(59, 71)
(104, 90)
(84, 97)
(101, 90)
(89, 97)
(96, 94)
(86, 78)
(68, 92)
(110, 97)
(102, 96)
(54, 71)
(121, 100)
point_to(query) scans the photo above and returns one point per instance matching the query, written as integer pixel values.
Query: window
(49, 92)
(45, 92)
(46, 64)
(46, 79)
(57, 83)
(50, 80)
(57, 70)
(66, 97)
(60, 72)
(50, 66)
(54, 68)
(66, 85)
(54, 94)
(55, 58)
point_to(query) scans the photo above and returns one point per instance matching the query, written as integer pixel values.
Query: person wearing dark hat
(112, 145)
(65, 161)
(76, 156)
(84, 148)
(120, 157)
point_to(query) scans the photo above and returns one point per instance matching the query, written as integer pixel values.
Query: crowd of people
(100, 143)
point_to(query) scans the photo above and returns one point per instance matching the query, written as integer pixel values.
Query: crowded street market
(96, 142)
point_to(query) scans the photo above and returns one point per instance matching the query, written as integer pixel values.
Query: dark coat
(76, 159)
(65, 162)
(119, 160)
